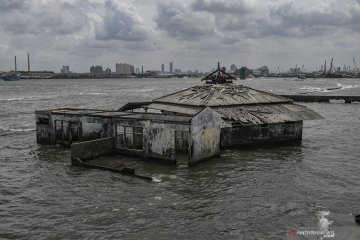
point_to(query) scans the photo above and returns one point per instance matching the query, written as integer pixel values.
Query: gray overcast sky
(194, 34)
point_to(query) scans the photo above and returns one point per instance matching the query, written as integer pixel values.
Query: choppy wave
(93, 93)
(27, 98)
(12, 99)
(145, 90)
(97, 93)
(339, 86)
(7, 130)
(343, 86)
(310, 89)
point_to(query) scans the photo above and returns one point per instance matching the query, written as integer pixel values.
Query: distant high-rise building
(124, 68)
(137, 70)
(176, 70)
(108, 71)
(264, 71)
(295, 70)
(171, 67)
(96, 70)
(233, 68)
(65, 69)
(162, 68)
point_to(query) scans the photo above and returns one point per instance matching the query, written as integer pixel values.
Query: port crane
(355, 68)
(332, 66)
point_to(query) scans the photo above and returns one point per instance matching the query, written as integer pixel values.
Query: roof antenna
(219, 76)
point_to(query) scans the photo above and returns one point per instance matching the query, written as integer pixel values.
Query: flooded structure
(184, 127)
(248, 116)
(92, 133)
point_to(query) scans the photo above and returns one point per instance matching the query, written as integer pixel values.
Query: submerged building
(184, 127)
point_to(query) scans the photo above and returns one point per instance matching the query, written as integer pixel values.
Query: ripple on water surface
(248, 193)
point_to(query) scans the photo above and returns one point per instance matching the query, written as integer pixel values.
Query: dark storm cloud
(261, 19)
(84, 30)
(121, 22)
(63, 18)
(229, 6)
(7, 5)
(181, 23)
(292, 20)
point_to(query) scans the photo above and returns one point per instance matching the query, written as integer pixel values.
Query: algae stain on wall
(160, 142)
(209, 141)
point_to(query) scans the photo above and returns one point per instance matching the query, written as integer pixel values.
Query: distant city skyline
(194, 34)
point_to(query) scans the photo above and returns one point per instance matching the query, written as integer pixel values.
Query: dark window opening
(129, 137)
(181, 141)
(61, 130)
(289, 128)
(264, 130)
(43, 120)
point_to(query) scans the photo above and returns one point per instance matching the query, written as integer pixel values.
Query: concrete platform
(321, 98)
(113, 164)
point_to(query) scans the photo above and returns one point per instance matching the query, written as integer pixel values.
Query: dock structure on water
(322, 98)
(183, 128)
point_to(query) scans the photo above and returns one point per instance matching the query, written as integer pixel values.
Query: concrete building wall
(255, 134)
(159, 140)
(74, 128)
(92, 149)
(205, 135)
(43, 133)
(159, 143)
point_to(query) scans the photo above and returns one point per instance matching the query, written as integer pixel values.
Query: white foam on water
(145, 90)
(324, 223)
(12, 99)
(22, 130)
(156, 179)
(96, 93)
(6, 129)
(29, 98)
(343, 86)
(311, 89)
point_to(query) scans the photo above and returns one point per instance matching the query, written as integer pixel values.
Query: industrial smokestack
(15, 64)
(28, 55)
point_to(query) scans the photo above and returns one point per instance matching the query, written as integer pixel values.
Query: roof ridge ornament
(219, 76)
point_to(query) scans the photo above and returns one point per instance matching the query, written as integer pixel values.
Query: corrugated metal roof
(221, 95)
(272, 113)
(235, 103)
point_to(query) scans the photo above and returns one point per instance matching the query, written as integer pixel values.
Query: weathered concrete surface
(92, 149)
(159, 140)
(159, 143)
(110, 165)
(205, 135)
(57, 127)
(43, 130)
(265, 133)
